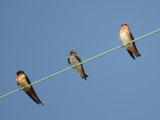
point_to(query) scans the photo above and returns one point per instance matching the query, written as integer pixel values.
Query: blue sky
(37, 36)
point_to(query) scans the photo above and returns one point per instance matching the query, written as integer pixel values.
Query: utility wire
(79, 64)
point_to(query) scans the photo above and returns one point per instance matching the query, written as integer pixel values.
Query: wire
(79, 64)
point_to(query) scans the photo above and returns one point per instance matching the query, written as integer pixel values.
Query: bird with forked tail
(22, 81)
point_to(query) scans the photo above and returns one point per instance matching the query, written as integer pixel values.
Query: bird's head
(73, 53)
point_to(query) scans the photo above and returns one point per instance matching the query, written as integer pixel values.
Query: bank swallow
(73, 60)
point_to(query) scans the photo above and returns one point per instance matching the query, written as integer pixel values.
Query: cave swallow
(126, 36)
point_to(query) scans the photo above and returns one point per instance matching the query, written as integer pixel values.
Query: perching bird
(73, 60)
(126, 36)
(22, 81)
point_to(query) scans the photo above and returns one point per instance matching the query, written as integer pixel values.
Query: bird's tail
(85, 76)
(36, 97)
(137, 54)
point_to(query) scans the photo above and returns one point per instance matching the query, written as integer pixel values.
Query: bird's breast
(23, 82)
(73, 61)
(125, 39)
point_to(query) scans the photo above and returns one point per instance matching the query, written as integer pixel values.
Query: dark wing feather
(131, 54)
(39, 101)
(69, 61)
(78, 58)
(133, 42)
(131, 36)
(32, 98)
(27, 79)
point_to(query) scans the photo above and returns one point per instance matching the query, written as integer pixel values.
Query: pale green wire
(79, 63)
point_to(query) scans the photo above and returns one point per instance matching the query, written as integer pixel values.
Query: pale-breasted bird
(126, 36)
(73, 60)
(22, 81)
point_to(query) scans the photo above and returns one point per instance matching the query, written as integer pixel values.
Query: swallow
(126, 36)
(22, 81)
(73, 60)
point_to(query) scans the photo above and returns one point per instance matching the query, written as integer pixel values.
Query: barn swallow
(22, 81)
(126, 36)
(73, 60)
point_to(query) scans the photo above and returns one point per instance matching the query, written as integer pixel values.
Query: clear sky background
(37, 37)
